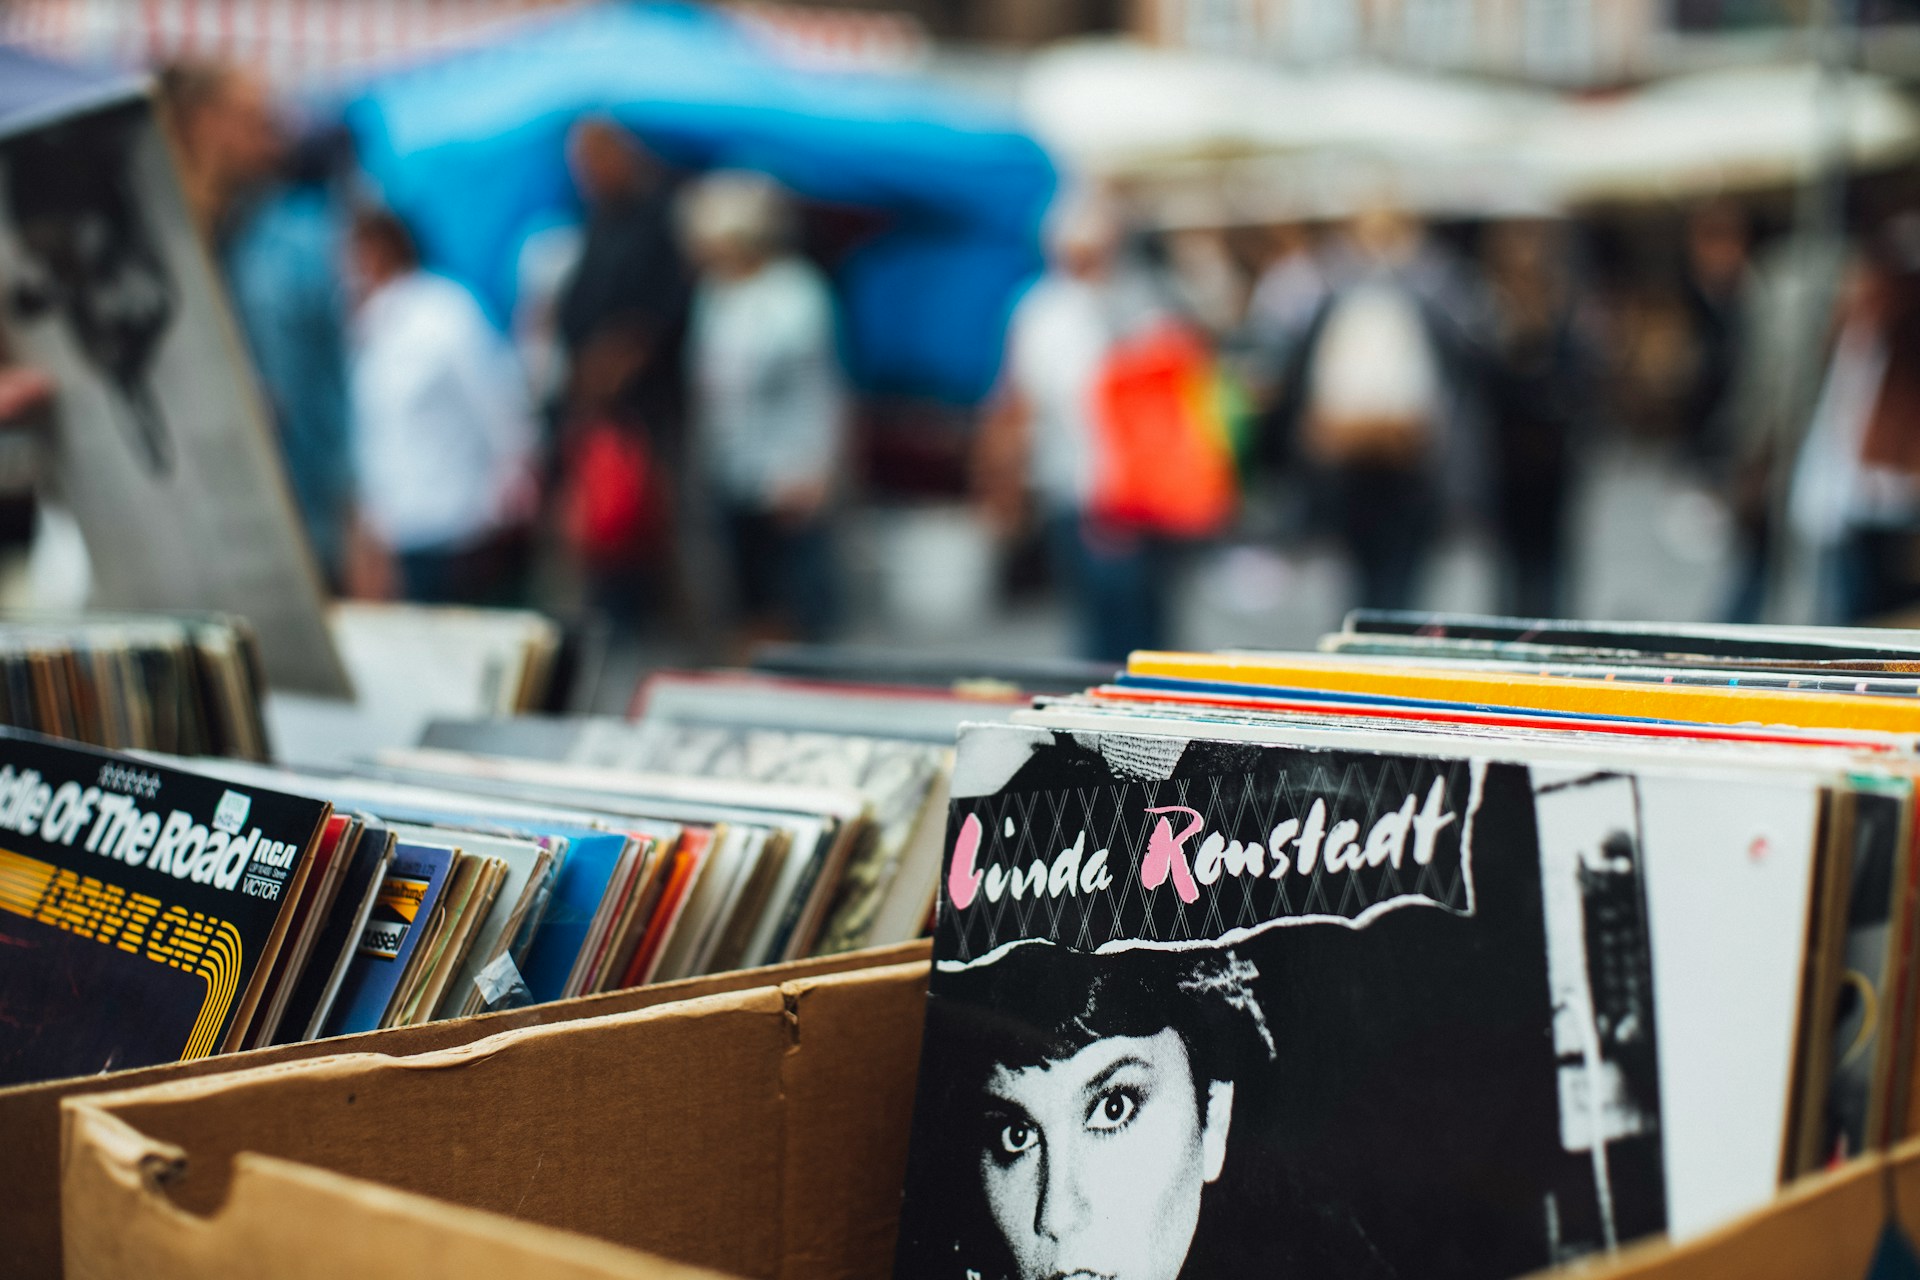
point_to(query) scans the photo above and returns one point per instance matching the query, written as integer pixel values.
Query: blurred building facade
(302, 41)
(1565, 41)
(286, 41)
(1575, 43)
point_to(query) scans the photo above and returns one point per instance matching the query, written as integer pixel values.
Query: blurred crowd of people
(664, 424)
(1390, 383)
(1403, 381)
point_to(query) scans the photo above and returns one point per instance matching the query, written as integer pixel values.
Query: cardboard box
(759, 1133)
(1827, 1225)
(30, 1114)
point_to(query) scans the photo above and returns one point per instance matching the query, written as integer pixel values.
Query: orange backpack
(1166, 457)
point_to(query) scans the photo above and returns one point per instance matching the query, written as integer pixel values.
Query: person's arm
(368, 567)
(999, 462)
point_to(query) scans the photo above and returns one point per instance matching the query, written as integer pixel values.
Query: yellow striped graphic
(220, 966)
(22, 882)
(206, 946)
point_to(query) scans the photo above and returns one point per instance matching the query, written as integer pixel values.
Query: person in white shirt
(444, 435)
(1041, 443)
(769, 403)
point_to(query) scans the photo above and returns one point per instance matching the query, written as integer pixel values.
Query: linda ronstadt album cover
(1230, 1009)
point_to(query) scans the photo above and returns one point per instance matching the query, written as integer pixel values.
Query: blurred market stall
(460, 110)
(470, 149)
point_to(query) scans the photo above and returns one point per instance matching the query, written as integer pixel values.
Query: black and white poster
(161, 445)
(1228, 1009)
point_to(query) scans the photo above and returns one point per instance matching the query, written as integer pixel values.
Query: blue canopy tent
(470, 150)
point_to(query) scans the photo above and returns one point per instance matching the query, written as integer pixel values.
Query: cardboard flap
(30, 1114)
(282, 1219)
(758, 1133)
(618, 1127)
(122, 1153)
(1903, 1186)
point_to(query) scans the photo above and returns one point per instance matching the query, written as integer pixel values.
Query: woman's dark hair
(384, 231)
(185, 87)
(1043, 1003)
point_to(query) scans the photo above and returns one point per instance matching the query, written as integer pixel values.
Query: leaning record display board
(161, 447)
(1224, 1008)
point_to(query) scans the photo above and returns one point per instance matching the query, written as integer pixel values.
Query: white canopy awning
(1723, 131)
(1213, 138)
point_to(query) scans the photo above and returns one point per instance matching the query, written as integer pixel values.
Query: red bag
(1166, 460)
(613, 505)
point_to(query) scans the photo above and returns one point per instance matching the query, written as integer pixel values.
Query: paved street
(1648, 545)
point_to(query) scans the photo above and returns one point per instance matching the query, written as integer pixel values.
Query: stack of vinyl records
(890, 744)
(743, 820)
(1463, 947)
(413, 653)
(185, 683)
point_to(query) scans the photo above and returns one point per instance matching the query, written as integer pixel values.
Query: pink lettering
(1167, 854)
(963, 882)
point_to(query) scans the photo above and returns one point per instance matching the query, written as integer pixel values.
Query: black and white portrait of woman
(1090, 1104)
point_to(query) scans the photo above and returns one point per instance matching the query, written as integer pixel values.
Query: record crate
(756, 1133)
(30, 1121)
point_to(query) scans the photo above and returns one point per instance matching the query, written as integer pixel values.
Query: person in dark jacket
(623, 308)
(1538, 388)
(1381, 405)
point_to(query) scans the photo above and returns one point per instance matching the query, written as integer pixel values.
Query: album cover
(395, 929)
(140, 907)
(162, 446)
(1228, 1009)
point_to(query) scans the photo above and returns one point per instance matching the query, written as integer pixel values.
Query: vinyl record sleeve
(140, 906)
(1595, 694)
(1738, 641)
(163, 447)
(395, 930)
(1215, 1008)
(335, 949)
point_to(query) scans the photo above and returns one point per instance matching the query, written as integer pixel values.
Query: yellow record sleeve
(1595, 695)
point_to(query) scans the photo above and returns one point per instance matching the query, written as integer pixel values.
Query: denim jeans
(1116, 580)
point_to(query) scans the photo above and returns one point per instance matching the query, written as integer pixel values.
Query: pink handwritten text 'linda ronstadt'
(1295, 846)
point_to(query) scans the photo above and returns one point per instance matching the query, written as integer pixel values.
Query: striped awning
(303, 43)
(293, 43)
